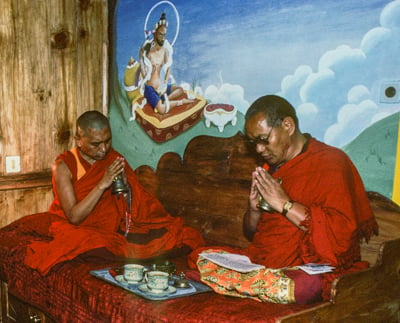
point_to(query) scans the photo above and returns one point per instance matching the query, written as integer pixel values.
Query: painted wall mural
(336, 61)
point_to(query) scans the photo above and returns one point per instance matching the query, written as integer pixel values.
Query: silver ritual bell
(118, 186)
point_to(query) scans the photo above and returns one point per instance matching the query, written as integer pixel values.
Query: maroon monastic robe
(105, 225)
(324, 179)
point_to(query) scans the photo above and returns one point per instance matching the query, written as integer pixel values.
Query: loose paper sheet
(236, 262)
(314, 269)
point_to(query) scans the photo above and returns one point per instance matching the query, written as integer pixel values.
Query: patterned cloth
(267, 285)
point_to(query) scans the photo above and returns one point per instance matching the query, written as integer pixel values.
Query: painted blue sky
(328, 58)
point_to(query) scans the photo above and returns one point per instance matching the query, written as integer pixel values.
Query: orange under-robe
(325, 180)
(152, 230)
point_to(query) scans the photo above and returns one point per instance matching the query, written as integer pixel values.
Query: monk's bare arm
(75, 211)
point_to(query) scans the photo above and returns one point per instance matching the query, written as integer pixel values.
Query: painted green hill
(374, 154)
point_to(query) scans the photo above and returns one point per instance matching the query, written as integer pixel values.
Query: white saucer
(145, 289)
(120, 279)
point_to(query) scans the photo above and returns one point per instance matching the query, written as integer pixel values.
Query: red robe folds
(152, 229)
(325, 180)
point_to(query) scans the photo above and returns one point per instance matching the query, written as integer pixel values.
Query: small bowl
(167, 267)
(181, 282)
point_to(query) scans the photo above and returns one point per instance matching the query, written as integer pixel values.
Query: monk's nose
(260, 148)
(102, 147)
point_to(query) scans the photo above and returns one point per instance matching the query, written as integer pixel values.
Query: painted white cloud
(352, 119)
(291, 84)
(186, 86)
(358, 93)
(390, 15)
(314, 87)
(341, 58)
(228, 93)
(343, 95)
(307, 114)
(375, 39)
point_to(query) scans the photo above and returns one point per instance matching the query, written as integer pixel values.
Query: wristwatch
(287, 206)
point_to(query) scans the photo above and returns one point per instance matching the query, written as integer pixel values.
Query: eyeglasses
(262, 141)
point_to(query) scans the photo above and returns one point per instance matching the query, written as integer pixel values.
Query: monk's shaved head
(91, 120)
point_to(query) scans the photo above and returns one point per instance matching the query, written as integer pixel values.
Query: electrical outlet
(13, 164)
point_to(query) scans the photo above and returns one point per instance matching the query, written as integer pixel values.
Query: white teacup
(133, 272)
(157, 281)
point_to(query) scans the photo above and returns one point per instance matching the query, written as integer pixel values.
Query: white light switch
(13, 164)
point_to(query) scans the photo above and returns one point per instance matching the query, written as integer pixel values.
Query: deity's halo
(176, 15)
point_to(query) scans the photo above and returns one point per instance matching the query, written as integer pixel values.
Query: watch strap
(287, 207)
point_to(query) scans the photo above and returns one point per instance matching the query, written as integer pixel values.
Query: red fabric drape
(325, 180)
(100, 228)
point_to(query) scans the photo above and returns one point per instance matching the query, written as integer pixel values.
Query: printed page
(314, 269)
(236, 262)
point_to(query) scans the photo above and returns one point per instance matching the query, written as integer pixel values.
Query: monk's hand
(253, 196)
(270, 188)
(112, 171)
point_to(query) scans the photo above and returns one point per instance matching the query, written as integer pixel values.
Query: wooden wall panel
(15, 204)
(54, 66)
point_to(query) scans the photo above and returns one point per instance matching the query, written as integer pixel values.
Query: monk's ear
(289, 125)
(77, 141)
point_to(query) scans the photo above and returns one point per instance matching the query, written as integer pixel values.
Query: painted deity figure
(156, 60)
